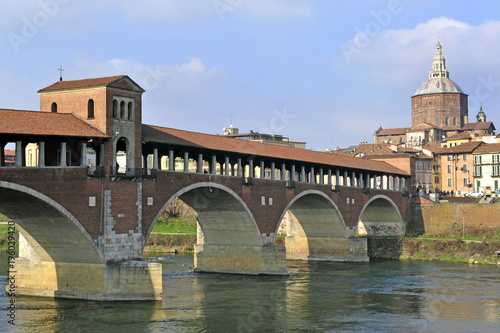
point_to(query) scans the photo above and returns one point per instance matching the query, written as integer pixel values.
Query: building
(487, 167)
(9, 158)
(274, 139)
(457, 164)
(439, 109)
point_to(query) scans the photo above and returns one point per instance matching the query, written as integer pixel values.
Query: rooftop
(172, 136)
(20, 122)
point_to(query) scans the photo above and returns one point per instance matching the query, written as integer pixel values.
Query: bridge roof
(20, 122)
(177, 137)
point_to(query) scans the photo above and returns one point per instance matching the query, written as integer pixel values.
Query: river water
(380, 296)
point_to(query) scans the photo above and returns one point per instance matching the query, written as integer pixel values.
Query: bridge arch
(223, 216)
(50, 229)
(314, 226)
(380, 216)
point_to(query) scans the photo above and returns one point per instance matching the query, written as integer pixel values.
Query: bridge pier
(252, 260)
(327, 249)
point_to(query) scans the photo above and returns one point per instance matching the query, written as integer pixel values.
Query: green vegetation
(182, 225)
(3, 218)
(4, 238)
(170, 243)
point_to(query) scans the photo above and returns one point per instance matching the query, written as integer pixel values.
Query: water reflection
(384, 296)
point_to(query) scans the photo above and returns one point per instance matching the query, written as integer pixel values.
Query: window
(425, 120)
(437, 121)
(446, 121)
(53, 107)
(429, 166)
(496, 170)
(477, 171)
(122, 110)
(496, 184)
(465, 157)
(465, 182)
(430, 180)
(449, 157)
(418, 166)
(115, 108)
(496, 159)
(449, 168)
(418, 178)
(477, 159)
(464, 168)
(90, 109)
(449, 182)
(478, 185)
(130, 111)
(455, 121)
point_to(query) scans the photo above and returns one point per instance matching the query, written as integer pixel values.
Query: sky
(323, 71)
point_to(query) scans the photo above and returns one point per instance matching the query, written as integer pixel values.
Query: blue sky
(326, 72)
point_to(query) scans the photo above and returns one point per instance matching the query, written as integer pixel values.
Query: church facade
(439, 109)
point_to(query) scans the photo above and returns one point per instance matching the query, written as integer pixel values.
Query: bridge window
(115, 109)
(122, 110)
(90, 109)
(122, 146)
(53, 107)
(130, 111)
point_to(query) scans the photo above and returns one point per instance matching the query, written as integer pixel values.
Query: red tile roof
(18, 122)
(488, 148)
(9, 152)
(479, 126)
(467, 147)
(462, 135)
(177, 137)
(393, 131)
(85, 83)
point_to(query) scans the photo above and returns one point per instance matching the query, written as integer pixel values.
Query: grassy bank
(175, 234)
(436, 249)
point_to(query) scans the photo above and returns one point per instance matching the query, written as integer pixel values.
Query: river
(380, 296)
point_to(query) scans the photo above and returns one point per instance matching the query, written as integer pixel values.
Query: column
(19, 154)
(199, 165)
(186, 161)
(283, 172)
(63, 161)
(226, 166)
(2, 155)
(213, 165)
(251, 169)
(368, 181)
(312, 180)
(394, 183)
(330, 177)
(41, 153)
(83, 162)
(156, 160)
(361, 180)
(240, 171)
(345, 179)
(353, 180)
(292, 173)
(273, 170)
(302, 174)
(262, 166)
(171, 160)
(321, 176)
(337, 177)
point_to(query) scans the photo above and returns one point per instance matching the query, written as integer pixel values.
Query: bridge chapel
(110, 104)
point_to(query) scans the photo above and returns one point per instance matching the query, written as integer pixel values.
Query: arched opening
(380, 217)
(53, 107)
(314, 228)
(90, 109)
(122, 110)
(52, 233)
(229, 240)
(115, 109)
(130, 111)
(121, 155)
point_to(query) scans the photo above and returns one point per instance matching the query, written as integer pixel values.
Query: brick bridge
(90, 181)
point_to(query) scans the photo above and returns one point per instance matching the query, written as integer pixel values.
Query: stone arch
(315, 226)
(50, 229)
(380, 216)
(223, 216)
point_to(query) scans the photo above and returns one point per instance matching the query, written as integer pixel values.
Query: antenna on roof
(60, 71)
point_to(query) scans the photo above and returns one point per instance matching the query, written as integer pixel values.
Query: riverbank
(433, 249)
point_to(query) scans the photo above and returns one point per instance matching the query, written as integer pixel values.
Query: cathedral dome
(439, 77)
(438, 85)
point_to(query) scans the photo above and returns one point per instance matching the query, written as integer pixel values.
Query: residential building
(487, 167)
(457, 165)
